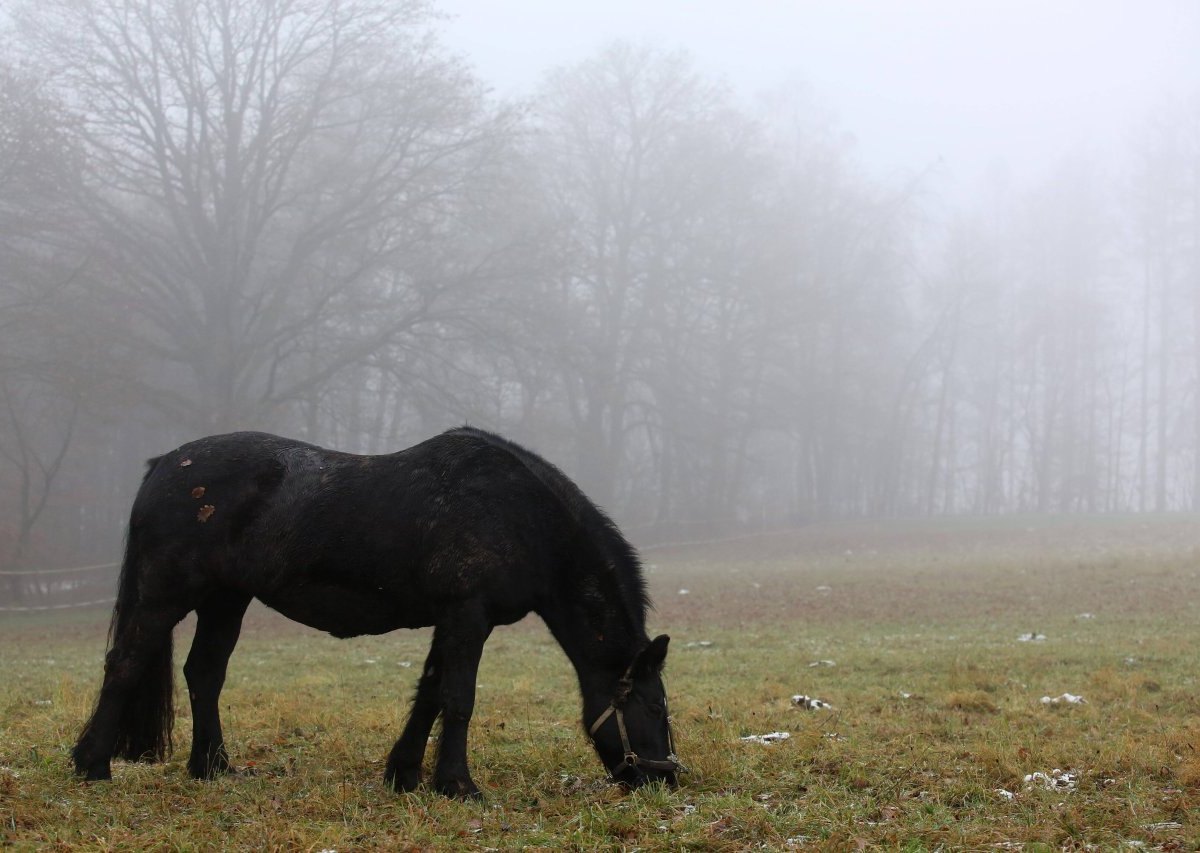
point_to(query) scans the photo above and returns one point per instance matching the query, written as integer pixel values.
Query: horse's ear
(650, 659)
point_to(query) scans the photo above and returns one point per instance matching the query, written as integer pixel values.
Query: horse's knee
(458, 703)
(196, 676)
(457, 700)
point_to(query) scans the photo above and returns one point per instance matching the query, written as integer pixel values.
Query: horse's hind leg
(404, 764)
(218, 624)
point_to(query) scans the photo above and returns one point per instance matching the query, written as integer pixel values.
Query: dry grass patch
(937, 718)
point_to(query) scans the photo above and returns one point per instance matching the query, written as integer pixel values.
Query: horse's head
(633, 733)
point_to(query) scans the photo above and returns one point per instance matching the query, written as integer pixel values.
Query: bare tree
(54, 364)
(1159, 205)
(607, 130)
(275, 177)
(641, 158)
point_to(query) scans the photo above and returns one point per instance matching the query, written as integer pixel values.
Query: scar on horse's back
(216, 482)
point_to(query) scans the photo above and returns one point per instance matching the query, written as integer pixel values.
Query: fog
(969, 87)
(732, 266)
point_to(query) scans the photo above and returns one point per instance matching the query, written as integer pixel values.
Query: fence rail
(53, 589)
(40, 572)
(35, 574)
(36, 607)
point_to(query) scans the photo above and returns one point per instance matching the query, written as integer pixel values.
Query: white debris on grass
(810, 703)
(1055, 780)
(698, 644)
(1065, 699)
(770, 737)
(570, 783)
(1086, 616)
(797, 841)
(1005, 795)
(405, 663)
(904, 695)
(1162, 826)
(684, 591)
(824, 588)
(817, 663)
(1032, 637)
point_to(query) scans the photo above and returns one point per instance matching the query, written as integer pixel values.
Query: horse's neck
(598, 655)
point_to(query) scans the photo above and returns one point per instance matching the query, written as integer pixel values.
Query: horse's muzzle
(635, 777)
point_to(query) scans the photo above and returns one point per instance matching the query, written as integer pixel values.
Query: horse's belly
(344, 611)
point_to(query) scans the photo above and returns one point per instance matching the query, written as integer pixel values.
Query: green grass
(936, 710)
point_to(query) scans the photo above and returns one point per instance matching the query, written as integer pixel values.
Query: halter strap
(632, 759)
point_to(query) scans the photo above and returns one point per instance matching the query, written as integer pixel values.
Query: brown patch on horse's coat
(198, 492)
(185, 463)
(205, 513)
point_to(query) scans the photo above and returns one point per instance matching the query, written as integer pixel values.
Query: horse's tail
(148, 713)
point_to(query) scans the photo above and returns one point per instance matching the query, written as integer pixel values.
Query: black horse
(463, 532)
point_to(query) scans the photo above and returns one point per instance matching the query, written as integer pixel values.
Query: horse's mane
(617, 551)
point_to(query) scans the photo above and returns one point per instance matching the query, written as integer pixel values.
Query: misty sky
(1015, 84)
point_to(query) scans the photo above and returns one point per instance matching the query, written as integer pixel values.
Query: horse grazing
(462, 532)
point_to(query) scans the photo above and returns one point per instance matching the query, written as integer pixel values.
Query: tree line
(305, 216)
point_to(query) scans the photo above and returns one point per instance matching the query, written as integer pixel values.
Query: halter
(617, 708)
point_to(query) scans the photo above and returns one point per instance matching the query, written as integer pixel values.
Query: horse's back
(349, 543)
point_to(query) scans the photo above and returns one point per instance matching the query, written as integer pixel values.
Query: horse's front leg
(462, 635)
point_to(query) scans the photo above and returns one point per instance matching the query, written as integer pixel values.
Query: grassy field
(936, 721)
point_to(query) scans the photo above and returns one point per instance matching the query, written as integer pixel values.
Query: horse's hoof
(91, 770)
(403, 780)
(209, 767)
(459, 789)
